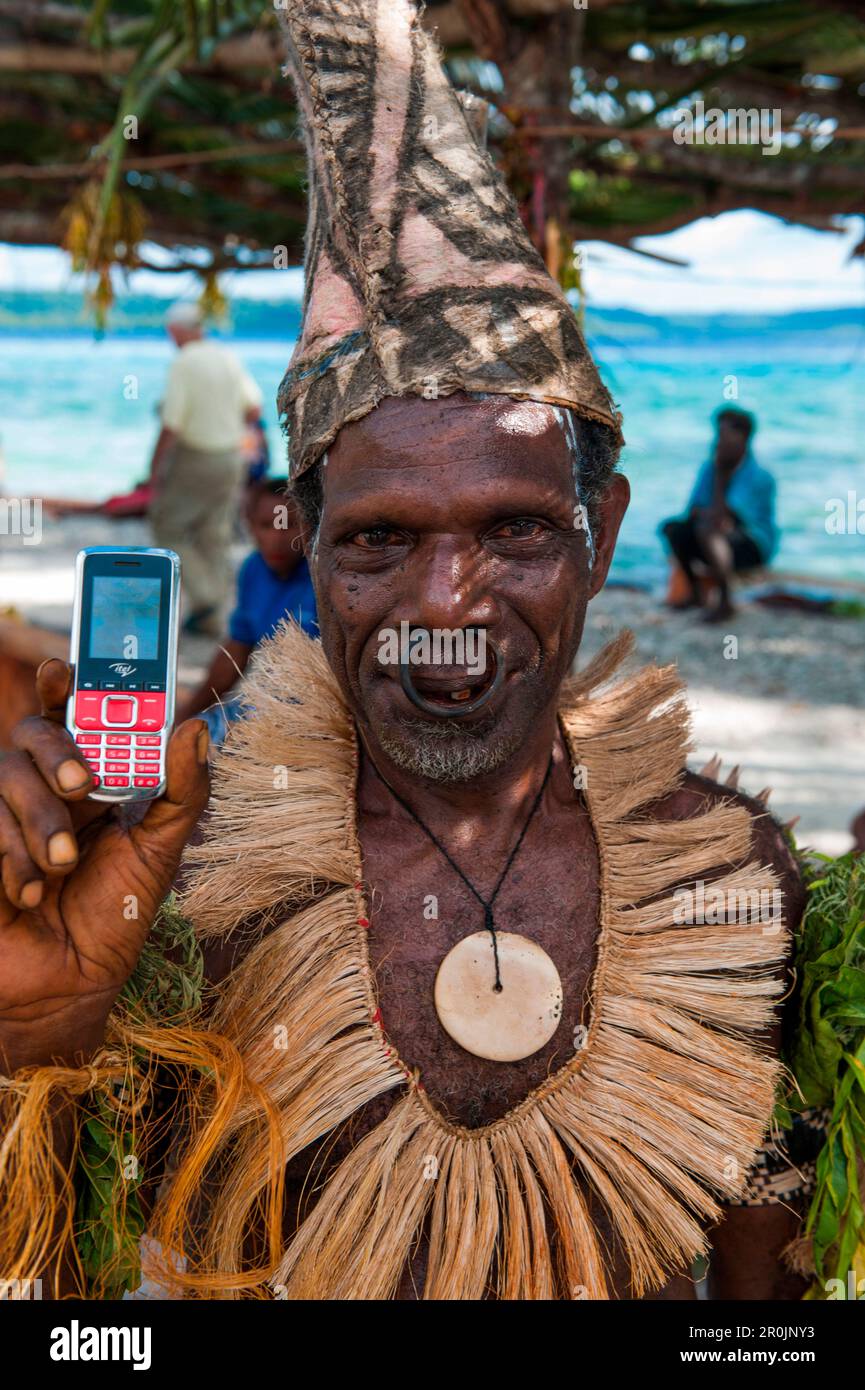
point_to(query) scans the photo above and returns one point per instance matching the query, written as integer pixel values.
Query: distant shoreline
(64, 313)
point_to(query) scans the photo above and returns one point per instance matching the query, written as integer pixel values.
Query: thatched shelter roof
(167, 121)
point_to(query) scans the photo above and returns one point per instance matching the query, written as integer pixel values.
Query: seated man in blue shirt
(730, 522)
(273, 583)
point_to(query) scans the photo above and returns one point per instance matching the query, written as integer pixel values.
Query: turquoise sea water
(78, 418)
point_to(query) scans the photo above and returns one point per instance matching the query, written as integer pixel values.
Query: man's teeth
(460, 694)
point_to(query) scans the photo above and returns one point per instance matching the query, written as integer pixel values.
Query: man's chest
(420, 908)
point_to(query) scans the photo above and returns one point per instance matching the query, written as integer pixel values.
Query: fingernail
(62, 848)
(31, 893)
(71, 776)
(202, 746)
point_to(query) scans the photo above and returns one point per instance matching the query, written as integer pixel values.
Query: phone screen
(126, 598)
(124, 618)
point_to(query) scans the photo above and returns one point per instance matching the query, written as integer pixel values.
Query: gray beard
(443, 753)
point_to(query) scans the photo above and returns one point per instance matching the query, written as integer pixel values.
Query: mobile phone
(124, 654)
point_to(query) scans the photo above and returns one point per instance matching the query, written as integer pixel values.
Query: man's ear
(611, 508)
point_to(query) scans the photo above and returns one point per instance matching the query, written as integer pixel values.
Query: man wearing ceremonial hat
(458, 1042)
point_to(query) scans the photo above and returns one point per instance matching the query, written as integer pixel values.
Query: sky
(745, 261)
(738, 262)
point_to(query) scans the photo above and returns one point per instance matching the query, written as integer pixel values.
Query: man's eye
(524, 528)
(376, 538)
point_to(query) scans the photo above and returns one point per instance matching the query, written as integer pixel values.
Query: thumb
(171, 820)
(53, 682)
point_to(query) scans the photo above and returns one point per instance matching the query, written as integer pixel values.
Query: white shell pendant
(502, 1026)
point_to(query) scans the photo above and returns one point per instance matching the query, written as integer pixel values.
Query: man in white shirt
(196, 466)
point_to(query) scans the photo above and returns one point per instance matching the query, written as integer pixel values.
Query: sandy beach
(786, 708)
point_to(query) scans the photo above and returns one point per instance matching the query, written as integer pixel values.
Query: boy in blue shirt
(273, 583)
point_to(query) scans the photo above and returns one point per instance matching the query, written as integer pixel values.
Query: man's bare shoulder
(697, 794)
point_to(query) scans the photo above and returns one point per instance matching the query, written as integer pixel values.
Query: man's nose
(450, 586)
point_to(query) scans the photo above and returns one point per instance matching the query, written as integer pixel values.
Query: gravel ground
(779, 654)
(787, 708)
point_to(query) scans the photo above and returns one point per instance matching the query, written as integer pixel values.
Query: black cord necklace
(486, 903)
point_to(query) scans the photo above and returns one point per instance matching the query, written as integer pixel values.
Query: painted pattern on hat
(420, 277)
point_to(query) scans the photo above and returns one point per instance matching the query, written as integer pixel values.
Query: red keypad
(121, 759)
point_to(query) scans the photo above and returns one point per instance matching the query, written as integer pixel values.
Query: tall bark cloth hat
(420, 278)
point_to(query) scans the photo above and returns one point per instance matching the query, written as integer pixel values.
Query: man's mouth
(446, 691)
(452, 684)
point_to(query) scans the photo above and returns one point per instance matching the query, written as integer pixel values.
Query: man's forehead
(523, 417)
(400, 426)
(475, 450)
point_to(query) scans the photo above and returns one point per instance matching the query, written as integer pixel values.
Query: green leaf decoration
(166, 986)
(828, 1059)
